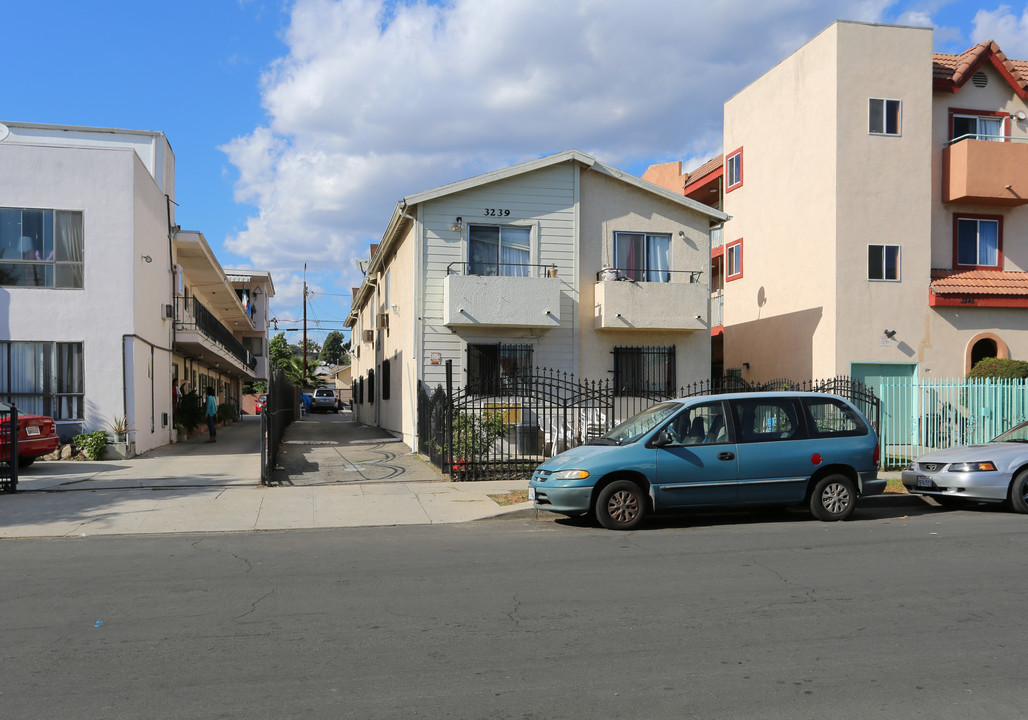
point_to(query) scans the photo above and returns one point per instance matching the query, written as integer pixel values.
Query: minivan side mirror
(662, 438)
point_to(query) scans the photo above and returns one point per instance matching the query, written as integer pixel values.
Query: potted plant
(120, 447)
(120, 428)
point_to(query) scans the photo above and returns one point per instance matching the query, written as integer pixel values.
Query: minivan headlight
(972, 467)
(571, 475)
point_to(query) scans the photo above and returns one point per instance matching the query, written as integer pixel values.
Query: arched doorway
(984, 345)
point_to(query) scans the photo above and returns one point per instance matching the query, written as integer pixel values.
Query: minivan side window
(767, 419)
(828, 417)
(699, 425)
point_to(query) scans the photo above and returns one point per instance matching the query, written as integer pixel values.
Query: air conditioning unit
(369, 336)
(169, 312)
(383, 321)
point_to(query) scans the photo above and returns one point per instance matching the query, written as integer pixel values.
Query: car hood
(975, 453)
(585, 457)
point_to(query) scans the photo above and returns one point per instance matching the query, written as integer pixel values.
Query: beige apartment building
(876, 194)
(561, 262)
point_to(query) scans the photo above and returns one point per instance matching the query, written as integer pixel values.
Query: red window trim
(729, 246)
(728, 159)
(981, 113)
(957, 217)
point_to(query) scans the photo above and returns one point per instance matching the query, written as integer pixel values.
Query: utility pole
(304, 376)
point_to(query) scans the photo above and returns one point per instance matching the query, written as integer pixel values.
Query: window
(733, 260)
(644, 371)
(371, 387)
(43, 378)
(883, 262)
(978, 241)
(828, 417)
(499, 250)
(40, 248)
(884, 117)
(978, 127)
(733, 170)
(643, 256)
(385, 379)
(766, 419)
(700, 425)
(498, 369)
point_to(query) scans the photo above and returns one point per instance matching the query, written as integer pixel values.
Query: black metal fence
(8, 448)
(485, 432)
(278, 413)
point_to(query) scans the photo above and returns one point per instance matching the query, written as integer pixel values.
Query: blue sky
(298, 124)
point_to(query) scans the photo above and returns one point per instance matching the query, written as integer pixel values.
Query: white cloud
(1004, 26)
(367, 108)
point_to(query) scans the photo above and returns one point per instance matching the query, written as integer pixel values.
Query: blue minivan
(777, 448)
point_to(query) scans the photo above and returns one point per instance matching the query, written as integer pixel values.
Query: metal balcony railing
(717, 237)
(642, 275)
(717, 308)
(499, 269)
(190, 314)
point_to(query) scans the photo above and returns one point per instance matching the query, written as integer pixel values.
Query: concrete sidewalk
(329, 475)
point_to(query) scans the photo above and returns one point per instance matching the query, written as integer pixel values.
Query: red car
(262, 400)
(37, 435)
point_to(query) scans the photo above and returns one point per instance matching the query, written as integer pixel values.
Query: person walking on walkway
(212, 415)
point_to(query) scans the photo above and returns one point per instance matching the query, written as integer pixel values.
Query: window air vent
(369, 336)
(383, 321)
(979, 79)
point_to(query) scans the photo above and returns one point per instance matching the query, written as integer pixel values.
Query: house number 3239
(494, 212)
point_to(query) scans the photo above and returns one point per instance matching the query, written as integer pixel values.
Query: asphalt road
(908, 613)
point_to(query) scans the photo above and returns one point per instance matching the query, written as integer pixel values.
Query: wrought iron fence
(278, 413)
(8, 448)
(505, 433)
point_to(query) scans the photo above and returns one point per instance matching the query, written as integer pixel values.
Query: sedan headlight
(571, 475)
(972, 467)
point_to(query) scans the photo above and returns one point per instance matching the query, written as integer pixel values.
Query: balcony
(985, 172)
(717, 308)
(507, 300)
(199, 333)
(680, 304)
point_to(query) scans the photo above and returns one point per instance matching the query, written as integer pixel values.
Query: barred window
(644, 371)
(499, 369)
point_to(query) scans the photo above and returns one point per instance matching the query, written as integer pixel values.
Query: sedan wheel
(1019, 492)
(833, 498)
(621, 505)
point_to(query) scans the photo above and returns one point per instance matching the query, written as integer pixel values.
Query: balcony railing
(498, 269)
(659, 276)
(190, 314)
(659, 300)
(717, 308)
(717, 237)
(985, 170)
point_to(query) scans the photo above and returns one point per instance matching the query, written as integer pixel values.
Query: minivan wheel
(834, 497)
(1019, 492)
(621, 505)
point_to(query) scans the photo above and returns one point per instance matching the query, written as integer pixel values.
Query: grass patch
(511, 498)
(895, 485)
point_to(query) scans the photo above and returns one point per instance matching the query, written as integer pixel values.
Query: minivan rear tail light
(878, 455)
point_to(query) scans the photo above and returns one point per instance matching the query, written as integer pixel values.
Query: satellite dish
(5, 131)
(1019, 115)
(362, 265)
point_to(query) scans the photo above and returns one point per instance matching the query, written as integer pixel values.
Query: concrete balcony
(501, 301)
(985, 172)
(622, 305)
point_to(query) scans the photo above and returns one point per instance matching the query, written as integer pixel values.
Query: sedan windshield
(1018, 434)
(638, 425)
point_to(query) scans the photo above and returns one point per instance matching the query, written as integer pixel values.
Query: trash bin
(528, 439)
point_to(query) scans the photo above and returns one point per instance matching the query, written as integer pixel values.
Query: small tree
(1000, 368)
(279, 352)
(332, 352)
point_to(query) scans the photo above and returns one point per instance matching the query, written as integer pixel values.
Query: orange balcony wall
(985, 172)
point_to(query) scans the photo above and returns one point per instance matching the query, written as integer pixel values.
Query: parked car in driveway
(994, 472)
(258, 406)
(37, 436)
(737, 449)
(324, 400)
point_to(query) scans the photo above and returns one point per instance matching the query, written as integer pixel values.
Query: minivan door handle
(726, 456)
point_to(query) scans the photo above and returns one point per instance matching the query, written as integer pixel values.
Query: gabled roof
(979, 282)
(951, 72)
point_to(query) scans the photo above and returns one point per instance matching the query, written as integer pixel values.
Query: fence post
(448, 426)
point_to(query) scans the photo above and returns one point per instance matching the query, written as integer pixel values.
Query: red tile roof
(705, 169)
(979, 282)
(950, 72)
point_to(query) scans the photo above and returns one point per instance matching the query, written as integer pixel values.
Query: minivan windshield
(639, 424)
(1018, 434)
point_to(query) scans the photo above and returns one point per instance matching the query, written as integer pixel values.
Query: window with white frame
(883, 262)
(978, 127)
(978, 241)
(645, 257)
(43, 378)
(884, 116)
(733, 260)
(41, 248)
(733, 170)
(499, 250)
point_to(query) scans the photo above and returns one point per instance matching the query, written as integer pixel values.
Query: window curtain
(629, 255)
(483, 249)
(69, 249)
(515, 252)
(988, 242)
(990, 128)
(657, 250)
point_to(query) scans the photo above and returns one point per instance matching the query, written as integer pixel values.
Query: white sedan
(994, 472)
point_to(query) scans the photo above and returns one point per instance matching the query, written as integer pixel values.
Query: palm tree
(293, 369)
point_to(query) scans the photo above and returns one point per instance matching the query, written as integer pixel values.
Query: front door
(699, 466)
(893, 383)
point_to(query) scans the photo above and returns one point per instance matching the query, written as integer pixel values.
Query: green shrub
(226, 411)
(190, 412)
(1000, 368)
(93, 444)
